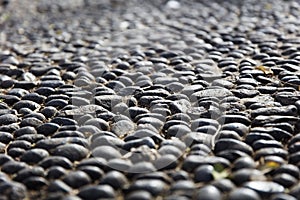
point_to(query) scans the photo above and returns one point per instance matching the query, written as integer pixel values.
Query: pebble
(73, 152)
(13, 190)
(76, 179)
(209, 192)
(106, 152)
(26, 104)
(243, 193)
(96, 192)
(33, 156)
(264, 188)
(55, 161)
(7, 119)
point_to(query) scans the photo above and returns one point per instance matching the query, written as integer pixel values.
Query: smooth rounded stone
(18, 92)
(123, 127)
(229, 134)
(67, 131)
(26, 104)
(33, 156)
(282, 197)
(287, 98)
(25, 111)
(9, 128)
(170, 150)
(294, 158)
(243, 193)
(203, 122)
(106, 140)
(140, 167)
(264, 188)
(224, 185)
(166, 162)
(55, 172)
(23, 174)
(45, 91)
(34, 97)
(9, 99)
(223, 144)
(76, 179)
(51, 143)
(19, 144)
(38, 116)
(119, 164)
(239, 128)
(243, 163)
(8, 119)
(55, 161)
(217, 92)
(35, 182)
(63, 121)
(27, 130)
(186, 186)
(144, 130)
(284, 111)
(30, 121)
(106, 152)
(259, 144)
(139, 195)
(181, 117)
(13, 190)
(115, 179)
(191, 89)
(135, 142)
(59, 186)
(155, 187)
(57, 103)
(177, 131)
(209, 193)
(99, 123)
(204, 173)
(96, 192)
(47, 129)
(12, 167)
(175, 86)
(6, 137)
(277, 133)
(247, 174)
(57, 96)
(254, 136)
(285, 180)
(95, 173)
(222, 83)
(230, 118)
(73, 152)
(288, 169)
(14, 152)
(4, 158)
(32, 138)
(271, 151)
(193, 161)
(153, 119)
(49, 111)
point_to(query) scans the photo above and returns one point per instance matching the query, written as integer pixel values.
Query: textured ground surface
(149, 99)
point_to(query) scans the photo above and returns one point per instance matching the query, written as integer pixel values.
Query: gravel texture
(149, 100)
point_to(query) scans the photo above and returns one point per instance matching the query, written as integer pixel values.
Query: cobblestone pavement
(143, 100)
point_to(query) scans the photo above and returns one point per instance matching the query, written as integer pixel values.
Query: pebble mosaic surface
(141, 100)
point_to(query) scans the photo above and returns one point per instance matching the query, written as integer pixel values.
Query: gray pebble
(209, 192)
(73, 152)
(96, 192)
(76, 179)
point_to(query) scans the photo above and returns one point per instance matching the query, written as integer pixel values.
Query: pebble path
(142, 100)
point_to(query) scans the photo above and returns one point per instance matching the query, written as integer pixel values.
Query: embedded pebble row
(143, 100)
